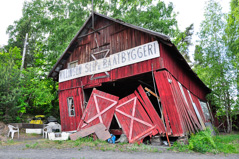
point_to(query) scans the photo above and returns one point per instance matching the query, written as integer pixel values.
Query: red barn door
(100, 109)
(133, 119)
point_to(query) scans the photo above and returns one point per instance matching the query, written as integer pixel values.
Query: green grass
(92, 144)
(203, 142)
(32, 146)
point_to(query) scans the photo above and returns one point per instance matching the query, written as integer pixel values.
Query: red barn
(115, 58)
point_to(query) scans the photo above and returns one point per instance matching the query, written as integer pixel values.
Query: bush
(202, 142)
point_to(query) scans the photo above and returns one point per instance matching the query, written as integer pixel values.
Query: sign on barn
(123, 58)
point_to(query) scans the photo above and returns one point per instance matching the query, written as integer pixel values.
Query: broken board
(99, 129)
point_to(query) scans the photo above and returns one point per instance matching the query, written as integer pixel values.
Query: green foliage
(203, 142)
(212, 63)
(31, 93)
(9, 84)
(232, 32)
(51, 25)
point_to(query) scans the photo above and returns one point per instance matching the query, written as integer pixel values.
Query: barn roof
(84, 32)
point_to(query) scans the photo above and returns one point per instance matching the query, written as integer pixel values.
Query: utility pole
(24, 51)
(92, 13)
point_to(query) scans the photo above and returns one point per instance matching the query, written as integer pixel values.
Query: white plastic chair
(46, 130)
(57, 127)
(12, 130)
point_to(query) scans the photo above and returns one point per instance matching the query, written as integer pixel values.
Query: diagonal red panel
(133, 119)
(191, 108)
(171, 113)
(153, 115)
(100, 109)
(196, 101)
(181, 105)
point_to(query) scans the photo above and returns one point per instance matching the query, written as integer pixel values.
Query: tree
(40, 19)
(232, 32)
(9, 84)
(212, 63)
(52, 24)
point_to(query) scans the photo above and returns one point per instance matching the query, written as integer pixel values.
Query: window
(205, 110)
(71, 106)
(72, 64)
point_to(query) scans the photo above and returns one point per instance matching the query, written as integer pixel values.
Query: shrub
(202, 141)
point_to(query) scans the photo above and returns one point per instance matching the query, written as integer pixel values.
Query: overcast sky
(190, 11)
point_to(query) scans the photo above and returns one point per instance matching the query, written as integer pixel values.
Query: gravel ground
(20, 151)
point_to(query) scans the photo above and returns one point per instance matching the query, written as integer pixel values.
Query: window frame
(69, 107)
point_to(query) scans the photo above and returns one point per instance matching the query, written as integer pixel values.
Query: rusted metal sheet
(133, 119)
(100, 109)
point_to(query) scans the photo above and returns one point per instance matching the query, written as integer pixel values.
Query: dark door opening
(127, 86)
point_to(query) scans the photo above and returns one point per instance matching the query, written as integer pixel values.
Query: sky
(189, 11)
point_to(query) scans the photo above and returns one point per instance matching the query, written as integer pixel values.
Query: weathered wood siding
(181, 72)
(70, 123)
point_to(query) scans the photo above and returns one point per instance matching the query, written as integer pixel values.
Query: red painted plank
(153, 115)
(170, 111)
(194, 115)
(196, 101)
(182, 105)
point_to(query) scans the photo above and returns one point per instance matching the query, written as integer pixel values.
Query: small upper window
(72, 64)
(71, 106)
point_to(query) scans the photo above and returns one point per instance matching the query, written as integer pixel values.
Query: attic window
(72, 64)
(71, 106)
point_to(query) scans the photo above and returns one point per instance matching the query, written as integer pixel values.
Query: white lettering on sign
(123, 58)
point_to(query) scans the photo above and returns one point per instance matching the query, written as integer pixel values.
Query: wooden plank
(182, 104)
(196, 111)
(99, 129)
(190, 106)
(170, 111)
(153, 115)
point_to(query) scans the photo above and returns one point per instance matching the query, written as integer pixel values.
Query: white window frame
(70, 103)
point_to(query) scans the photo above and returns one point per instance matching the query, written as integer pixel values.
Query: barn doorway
(127, 86)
